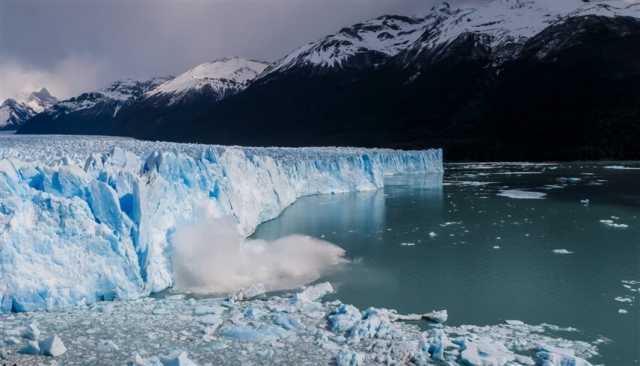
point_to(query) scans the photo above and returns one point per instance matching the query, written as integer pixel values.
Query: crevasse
(78, 225)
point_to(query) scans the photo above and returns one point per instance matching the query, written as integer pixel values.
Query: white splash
(212, 257)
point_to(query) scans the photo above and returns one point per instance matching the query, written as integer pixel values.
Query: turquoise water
(487, 258)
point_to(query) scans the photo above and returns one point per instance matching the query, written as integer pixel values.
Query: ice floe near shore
(292, 329)
(84, 219)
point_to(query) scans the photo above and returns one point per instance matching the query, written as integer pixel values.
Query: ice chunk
(181, 359)
(246, 333)
(107, 346)
(208, 309)
(518, 194)
(569, 179)
(344, 318)
(612, 223)
(485, 352)
(623, 299)
(251, 292)
(438, 316)
(210, 320)
(285, 321)
(562, 251)
(52, 346)
(31, 332)
(31, 348)
(621, 167)
(178, 358)
(514, 322)
(433, 347)
(375, 323)
(315, 292)
(553, 356)
(349, 358)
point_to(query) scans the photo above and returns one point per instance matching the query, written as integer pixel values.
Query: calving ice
(88, 219)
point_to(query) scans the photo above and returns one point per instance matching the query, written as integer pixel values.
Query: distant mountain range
(509, 79)
(15, 112)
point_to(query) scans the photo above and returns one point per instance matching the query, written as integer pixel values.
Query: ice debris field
(294, 329)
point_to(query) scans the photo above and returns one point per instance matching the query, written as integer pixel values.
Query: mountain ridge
(446, 80)
(16, 111)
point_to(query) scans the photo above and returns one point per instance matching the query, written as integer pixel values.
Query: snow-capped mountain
(14, 112)
(501, 22)
(219, 79)
(92, 112)
(484, 81)
(113, 97)
(383, 37)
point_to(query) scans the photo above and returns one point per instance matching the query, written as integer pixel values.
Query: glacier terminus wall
(84, 219)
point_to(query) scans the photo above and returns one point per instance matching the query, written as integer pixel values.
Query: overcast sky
(70, 46)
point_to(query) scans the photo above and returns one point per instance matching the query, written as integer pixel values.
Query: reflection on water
(487, 258)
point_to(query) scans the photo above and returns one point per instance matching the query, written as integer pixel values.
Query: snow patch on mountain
(502, 21)
(387, 35)
(224, 77)
(513, 21)
(117, 94)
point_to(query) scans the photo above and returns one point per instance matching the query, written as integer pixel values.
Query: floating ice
(438, 316)
(518, 194)
(623, 299)
(569, 179)
(613, 224)
(621, 167)
(315, 292)
(469, 183)
(562, 251)
(84, 219)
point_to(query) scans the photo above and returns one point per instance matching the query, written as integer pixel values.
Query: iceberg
(85, 219)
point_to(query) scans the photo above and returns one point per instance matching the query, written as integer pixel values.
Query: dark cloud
(75, 45)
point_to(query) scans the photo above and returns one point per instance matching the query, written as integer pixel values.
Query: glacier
(85, 219)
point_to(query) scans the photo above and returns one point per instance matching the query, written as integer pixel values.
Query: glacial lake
(488, 258)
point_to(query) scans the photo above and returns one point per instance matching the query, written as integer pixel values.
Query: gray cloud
(71, 46)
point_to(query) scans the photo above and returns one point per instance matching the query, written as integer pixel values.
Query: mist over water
(212, 257)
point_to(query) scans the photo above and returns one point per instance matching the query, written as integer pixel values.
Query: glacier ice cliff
(84, 219)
